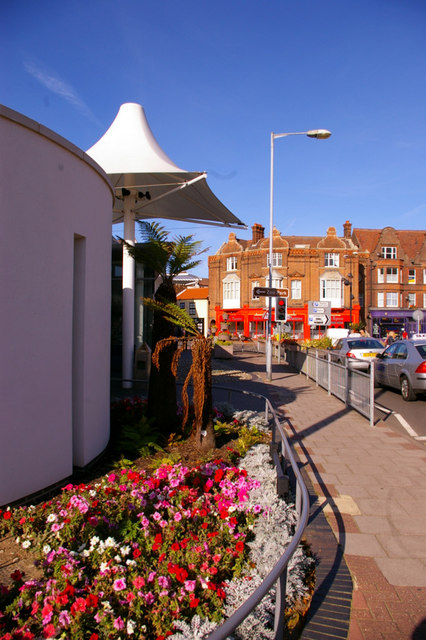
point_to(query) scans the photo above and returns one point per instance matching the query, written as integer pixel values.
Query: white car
(358, 352)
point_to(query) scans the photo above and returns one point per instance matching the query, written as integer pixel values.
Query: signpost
(319, 313)
(270, 292)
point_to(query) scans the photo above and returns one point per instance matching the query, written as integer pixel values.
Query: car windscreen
(421, 348)
(364, 344)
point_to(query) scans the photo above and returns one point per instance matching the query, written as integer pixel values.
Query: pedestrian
(404, 335)
(391, 338)
(364, 333)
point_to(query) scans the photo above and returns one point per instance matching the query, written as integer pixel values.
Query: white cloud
(60, 88)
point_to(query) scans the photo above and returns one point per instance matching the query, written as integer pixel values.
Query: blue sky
(216, 77)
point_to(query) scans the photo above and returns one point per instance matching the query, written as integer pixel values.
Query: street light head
(319, 134)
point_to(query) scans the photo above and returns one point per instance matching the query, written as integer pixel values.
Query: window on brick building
(331, 259)
(331, 290)
(392, 299)
(389, 253)
(411, 299)
(277, 260)
(380, 299)
(296, 289)
(231, 291)
(424, 277)
(277, 282)
(411, 276)
(231, 263)
(387, 274)
(254, 284)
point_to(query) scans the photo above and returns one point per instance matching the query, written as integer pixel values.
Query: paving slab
(368, 484)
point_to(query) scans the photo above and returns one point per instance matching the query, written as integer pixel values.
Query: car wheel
(406, 390)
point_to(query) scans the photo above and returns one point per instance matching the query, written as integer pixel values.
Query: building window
(331, 259)
(296, 289)
(277, 283)
(277, 260)
(389, 253)
(254, 284)
(182, 305)
(424, 301)
(231, 263)
(424, 276)
(380, 299)
(331, 289)
(231, 291)
(411, 276)
(392, 299)
(411, 299)
(391, 274)
(192, 308)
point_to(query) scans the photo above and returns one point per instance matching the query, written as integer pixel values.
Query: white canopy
(147, 184)
(131, 156)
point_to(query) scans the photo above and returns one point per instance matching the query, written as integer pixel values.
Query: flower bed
(144, 555)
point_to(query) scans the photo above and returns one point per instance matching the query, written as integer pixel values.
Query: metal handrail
(278, 575)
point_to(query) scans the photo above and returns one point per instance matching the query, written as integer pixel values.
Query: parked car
(357, 351)
(403, 366)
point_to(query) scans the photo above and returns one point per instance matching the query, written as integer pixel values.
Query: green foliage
(223, 343)
(318, 343)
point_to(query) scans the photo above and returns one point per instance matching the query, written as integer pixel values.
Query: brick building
(392, 278)
(312, 268)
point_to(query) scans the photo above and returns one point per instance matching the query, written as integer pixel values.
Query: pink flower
(119, 584)
(139, 582)
(118, 623)
(111, 477)
(190, 585)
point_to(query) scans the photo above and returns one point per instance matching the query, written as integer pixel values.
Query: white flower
(110, 542)
(26, 544)
(125, 551)
(131, 626)
(51, 517)
(46, 549)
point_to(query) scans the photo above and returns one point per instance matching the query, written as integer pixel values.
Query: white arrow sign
(319, 319)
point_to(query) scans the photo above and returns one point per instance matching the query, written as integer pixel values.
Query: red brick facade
(311, 268)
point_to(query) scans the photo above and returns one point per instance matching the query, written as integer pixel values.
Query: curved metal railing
(284, 459)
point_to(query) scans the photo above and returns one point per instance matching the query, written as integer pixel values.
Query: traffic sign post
(319, 313)
(281, 310)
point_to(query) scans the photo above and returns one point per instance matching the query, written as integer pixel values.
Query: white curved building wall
(55, 266)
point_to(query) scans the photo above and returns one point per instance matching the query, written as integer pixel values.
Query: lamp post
(319, 134)
(348, 283)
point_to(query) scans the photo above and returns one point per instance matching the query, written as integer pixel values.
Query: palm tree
(168, 258)
(202, 429)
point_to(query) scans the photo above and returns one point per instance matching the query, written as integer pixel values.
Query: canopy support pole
(128, 337)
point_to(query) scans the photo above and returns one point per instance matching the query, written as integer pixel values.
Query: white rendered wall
(55, 284)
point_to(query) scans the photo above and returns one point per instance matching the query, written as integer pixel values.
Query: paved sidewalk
(370, 485)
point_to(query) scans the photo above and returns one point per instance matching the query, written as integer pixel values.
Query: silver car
(356, 351)
(403, 366)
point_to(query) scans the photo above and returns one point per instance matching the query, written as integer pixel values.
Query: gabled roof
(411, 242)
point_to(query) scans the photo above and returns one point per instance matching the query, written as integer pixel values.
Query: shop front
(398, 320)
(252, 322)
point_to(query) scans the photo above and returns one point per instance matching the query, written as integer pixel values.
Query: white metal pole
(271, 226)
(128, 297)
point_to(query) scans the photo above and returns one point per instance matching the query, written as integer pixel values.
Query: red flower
(218, 475)
(94, 636)
(92, 600)
(221, 594)
(194, 602)
(17, 575)
(7, 515)
(49, 631)
(239, 546)
(224, 513)
(136, 553)
(175, 546)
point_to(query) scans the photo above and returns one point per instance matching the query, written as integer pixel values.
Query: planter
(223, 351)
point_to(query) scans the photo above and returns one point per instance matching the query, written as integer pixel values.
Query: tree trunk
(203, 431)
(162, 384)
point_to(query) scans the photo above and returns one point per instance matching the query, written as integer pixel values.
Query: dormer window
(389, 253)
(331, 259)
(231, 263)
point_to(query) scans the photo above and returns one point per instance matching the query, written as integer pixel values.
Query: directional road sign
(319, 319)
(265, 291)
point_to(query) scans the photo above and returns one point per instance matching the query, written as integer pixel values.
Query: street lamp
(319, 134)
(348, 283)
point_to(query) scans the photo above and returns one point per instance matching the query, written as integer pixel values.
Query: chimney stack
(258, 232)
(347, 229)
